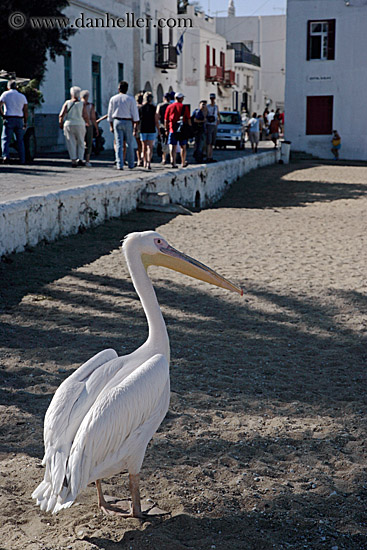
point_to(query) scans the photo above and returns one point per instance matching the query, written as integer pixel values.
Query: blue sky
(245, 7)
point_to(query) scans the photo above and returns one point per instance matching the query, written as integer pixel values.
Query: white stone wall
(346, 77)
(50, 216)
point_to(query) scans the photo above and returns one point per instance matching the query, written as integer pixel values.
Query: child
(336, 142)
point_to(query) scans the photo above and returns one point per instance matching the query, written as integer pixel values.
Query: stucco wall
(346, 77)
(50, 216)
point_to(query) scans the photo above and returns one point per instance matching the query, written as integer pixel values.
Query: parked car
(231, 130)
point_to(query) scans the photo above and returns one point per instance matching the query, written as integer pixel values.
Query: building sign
(319, 78)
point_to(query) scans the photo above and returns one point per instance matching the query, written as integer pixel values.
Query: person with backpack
(176, 120)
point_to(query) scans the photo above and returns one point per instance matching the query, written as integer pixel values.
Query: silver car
(231, 130)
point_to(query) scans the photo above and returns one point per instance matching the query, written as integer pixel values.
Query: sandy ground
(264, 443)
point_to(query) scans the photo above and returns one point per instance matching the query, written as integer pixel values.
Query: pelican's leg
(135, 495)
(108, 508)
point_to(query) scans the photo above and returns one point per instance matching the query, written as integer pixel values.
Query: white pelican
(103, 416)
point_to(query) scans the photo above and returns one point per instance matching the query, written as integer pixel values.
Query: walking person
(174, 112)
(88, 139)
(336, 144)
(161, 111)
(253, 130)
(199, 128)
(73, 119)
(149, 126)
(212, 121)
(139, 101)
(14, 109)
(275, 130)
(123, 117)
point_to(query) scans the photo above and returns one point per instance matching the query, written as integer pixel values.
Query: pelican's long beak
(173, 259)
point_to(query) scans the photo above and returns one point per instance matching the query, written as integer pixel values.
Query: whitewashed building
(327, 76)
(205, 65)
(100, 54)
(260, 49)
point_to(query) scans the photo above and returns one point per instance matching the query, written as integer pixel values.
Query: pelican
(103, 416)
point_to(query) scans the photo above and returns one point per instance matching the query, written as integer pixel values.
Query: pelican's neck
(158, 337)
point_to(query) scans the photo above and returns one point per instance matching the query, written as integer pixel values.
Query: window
(222, 59)
(213, 57)
(120, 71)
(319, 115)
(67, 74)
(321, 39)
(96, 82)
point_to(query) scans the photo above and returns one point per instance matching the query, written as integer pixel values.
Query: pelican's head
(155, 250)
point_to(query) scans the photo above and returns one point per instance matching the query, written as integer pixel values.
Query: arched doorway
(148, 87)
(159, 93)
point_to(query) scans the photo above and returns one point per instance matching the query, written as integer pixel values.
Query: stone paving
(54, 173)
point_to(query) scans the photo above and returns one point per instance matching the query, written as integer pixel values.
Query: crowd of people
(137, 124)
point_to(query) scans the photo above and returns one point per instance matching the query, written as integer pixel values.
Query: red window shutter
(208, 55)
(319, 115)
(308, 40)
(331, 39)
(222, 59)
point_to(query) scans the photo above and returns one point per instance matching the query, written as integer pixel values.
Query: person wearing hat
(175, 113)
(212, 121)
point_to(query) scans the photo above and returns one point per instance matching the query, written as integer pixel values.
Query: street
(264, 443)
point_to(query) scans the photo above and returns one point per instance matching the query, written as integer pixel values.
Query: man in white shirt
(14, 110)
(123, 117)
(270, 116)
(254, 132)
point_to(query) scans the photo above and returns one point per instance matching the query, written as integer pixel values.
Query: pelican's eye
(159, 241)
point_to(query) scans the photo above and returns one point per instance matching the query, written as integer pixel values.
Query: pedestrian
(139, 101)
(212, 121)
(14, 109)
(275, 130)
(73, 119)
(123, 117)
(149, 127)
(270, 116)
(336, 144)
(254, 132)
(177, 129)
(199, 129)
(162, 136)
(265, 116)
(88, 139)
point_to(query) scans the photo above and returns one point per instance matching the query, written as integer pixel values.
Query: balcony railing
(165, 56)
(214, 73)
(242, 56)
(229, 78)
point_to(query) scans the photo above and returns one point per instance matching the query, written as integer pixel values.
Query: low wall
(28, 221)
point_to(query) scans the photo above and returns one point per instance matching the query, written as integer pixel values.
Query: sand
(264, 443)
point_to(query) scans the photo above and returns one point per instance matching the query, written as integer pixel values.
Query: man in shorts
(212, 121)
(253, 129)
(172, 116)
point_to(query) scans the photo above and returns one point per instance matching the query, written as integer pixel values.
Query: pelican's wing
(71, 402)
(115, 433)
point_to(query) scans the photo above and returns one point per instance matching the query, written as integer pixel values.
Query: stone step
(156, 199)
